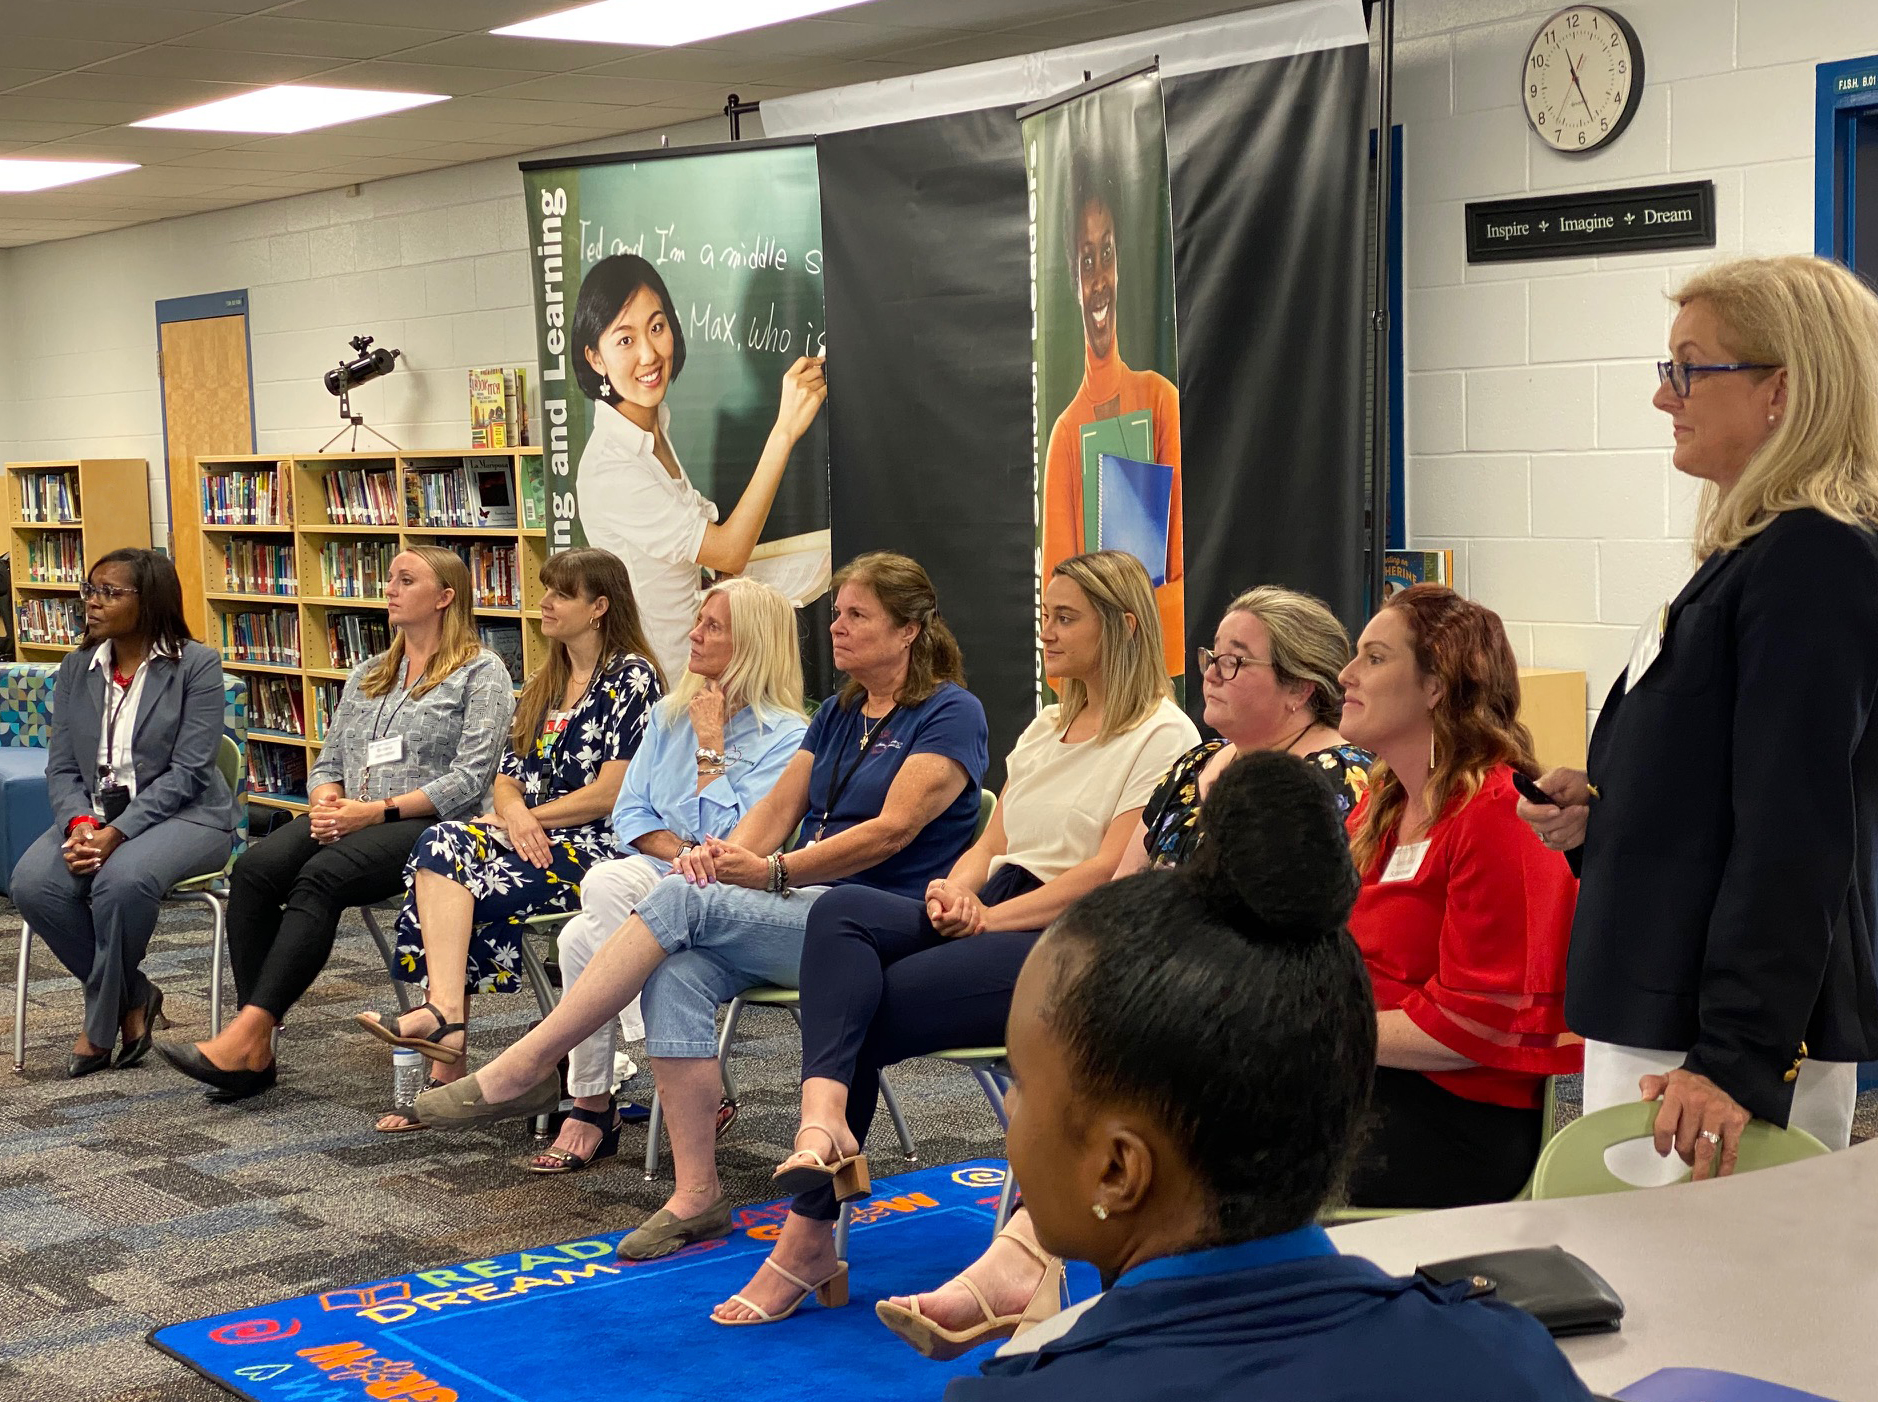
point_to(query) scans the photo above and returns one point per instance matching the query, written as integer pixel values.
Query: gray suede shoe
(461, 1103)
(661, 1234)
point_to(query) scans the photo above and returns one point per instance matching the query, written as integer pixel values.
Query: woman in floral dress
(473, 885)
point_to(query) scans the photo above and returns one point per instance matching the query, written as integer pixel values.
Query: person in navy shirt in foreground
(1191, 1054)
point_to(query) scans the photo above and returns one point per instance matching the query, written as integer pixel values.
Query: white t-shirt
(653, 521)
(1059, 799)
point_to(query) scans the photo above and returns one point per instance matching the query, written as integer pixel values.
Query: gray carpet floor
(128, 1201)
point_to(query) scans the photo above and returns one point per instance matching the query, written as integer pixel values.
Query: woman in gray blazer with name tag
(137, 801)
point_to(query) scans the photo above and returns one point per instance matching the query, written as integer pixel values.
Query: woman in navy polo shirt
(1187, 1157)
(883, 793)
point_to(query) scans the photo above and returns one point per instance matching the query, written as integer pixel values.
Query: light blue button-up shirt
(660, 791)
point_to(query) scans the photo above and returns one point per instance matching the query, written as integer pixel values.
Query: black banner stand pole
(737, 110)
(1379, 308)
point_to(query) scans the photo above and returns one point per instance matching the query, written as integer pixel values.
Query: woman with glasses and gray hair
(1722, 953)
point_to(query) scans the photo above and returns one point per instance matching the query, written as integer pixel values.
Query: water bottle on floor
(407, 1078)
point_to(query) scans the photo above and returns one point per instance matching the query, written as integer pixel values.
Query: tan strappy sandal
(831, 1293)
(847, 1175)
(937, 1342)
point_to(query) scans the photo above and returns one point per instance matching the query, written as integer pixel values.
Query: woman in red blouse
(1463, 916)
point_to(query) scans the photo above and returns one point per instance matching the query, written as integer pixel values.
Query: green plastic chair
(209, 889)
(1572, 1165)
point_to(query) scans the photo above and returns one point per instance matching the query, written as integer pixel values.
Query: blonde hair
(457, 645)
(765, 671)
(582, 574)
(1819, 321)
(906, 592)
(1308, 644)
(1134, 674)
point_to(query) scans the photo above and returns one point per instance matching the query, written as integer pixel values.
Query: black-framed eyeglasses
(1228, 663)
(1676, 373)
(110, 593)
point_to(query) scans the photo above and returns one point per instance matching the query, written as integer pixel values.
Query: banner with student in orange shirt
(1104, 363)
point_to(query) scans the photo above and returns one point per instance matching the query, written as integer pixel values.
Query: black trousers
(286, 895)
(1428, 1147)
(879, 984)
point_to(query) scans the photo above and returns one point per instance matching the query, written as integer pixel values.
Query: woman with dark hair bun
(138, 803)
(628, 349)
(1191, 1054)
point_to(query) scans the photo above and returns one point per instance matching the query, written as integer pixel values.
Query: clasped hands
(953, 910)
(86, 847)
(1560, 824)
(333, 816)
(714, 859)
(526, 835)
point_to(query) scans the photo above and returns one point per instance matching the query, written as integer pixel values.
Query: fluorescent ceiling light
(17, 177)
(635, 22)
(290, 107)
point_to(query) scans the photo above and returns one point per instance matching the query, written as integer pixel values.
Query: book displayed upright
(1402, 568)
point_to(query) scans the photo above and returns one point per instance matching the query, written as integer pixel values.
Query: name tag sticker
(386, 751)
(1646, 648)
(1406, 862)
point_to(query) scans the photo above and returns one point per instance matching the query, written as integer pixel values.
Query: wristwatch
(391, 811)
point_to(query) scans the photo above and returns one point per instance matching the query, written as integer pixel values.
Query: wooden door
(207, 408)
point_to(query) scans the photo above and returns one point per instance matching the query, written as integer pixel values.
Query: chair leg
(389, 955)
(731, 1018)
(994, 1092)
(19, 999)
(537, 975)
(899, 1120)
(653, 1126)
(841, 1231)
(1007, 1198)
(218, 913)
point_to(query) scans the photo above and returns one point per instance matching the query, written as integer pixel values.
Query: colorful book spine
(361, 497)
(351, 638)
(355, 569)
(488, 409)
(54, 558)
(276, 770)
(49, 498)
(243, 497)
(274, 703)
(259, 567)
(267, 636)
(52, 621)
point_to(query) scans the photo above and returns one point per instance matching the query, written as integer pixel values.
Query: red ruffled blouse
(1470, 943)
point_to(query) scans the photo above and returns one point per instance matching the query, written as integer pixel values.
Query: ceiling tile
(272, 34)
(457, 80)
(239, 161)
(829, 38)
(216, 65)
(502, 52)
(155, 94)
(82, 19)
(19, 77)
(469, 16)
(62, 54)
(99, 112)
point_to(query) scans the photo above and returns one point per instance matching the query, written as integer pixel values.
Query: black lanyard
(840, 782)
(381, 727)
(111, 714)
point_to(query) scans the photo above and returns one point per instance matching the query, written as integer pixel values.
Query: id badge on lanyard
(1646, 648)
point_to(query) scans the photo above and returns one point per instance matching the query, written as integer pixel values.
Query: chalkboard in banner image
(735, 234)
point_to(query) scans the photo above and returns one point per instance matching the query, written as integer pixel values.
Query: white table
(1773, 1274)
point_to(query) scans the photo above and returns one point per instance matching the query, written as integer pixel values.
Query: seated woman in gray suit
(137, 801)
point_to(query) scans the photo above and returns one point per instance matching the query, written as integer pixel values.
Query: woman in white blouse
(634, 496)
(886, 977)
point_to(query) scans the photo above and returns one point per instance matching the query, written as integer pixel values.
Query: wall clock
(1582, 79)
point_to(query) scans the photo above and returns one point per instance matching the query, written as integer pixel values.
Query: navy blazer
(1318, 1329)
(1728, 875)
(178, 735)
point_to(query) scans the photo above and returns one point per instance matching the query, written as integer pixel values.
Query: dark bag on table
(1548, 1282)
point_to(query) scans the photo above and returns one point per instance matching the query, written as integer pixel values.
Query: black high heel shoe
(224, 1086)
(153, 1022)
(77, 1065)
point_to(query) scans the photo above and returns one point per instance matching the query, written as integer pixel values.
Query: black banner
(927, 284)
(1267, 165)
(1642, 219)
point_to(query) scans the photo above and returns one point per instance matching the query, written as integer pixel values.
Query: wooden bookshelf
(107, 508)
(308, 538)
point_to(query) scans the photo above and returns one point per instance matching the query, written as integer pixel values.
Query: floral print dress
(1172, 817)
(607, 724)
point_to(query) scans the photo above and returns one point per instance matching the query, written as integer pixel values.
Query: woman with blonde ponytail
(1722, 956)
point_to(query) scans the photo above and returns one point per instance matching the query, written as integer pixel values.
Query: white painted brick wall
(1562, 412)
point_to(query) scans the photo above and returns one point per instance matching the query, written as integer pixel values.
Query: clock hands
(1576, 85)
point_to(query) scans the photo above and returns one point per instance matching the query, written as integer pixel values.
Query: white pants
(1824, 1096)
(608, 893)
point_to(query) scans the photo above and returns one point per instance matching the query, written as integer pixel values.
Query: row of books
(505, 641)
(49, 496)
(356, 569)
(494, 573)
(326, 696)
(259, 567)
(270, 636)
(55, 559)
(274, 703)
(361, 496)
(244, 496)
(52, 621)
(465, 492)
(276, 769)
(498, 408)
(353, 637)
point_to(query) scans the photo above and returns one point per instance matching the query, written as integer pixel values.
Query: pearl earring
(1770, 418)
(606, 390)
(1101, 1212)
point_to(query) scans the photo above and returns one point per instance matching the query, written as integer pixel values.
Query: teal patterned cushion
(235, 726)
(26, 703)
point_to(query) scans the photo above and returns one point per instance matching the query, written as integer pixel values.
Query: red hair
(1476, 721)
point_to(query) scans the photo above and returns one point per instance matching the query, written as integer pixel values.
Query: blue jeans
(720, 940)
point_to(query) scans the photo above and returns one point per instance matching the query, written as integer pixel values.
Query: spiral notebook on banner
(1125, 436)
(1134, 502)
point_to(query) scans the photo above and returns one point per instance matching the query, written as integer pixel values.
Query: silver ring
(1711, 1136)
